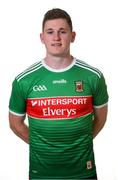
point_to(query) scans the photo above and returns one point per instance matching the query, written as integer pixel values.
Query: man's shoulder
(30, 71)
(88, 69)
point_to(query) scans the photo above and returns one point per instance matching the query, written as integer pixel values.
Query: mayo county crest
(78, 86)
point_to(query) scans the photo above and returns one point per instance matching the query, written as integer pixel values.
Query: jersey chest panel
(59, 96)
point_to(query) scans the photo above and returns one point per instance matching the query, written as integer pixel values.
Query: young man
(65, 100)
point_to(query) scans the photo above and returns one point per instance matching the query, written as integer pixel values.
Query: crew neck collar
(58, 70)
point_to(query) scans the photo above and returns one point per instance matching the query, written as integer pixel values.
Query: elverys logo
(39, 88)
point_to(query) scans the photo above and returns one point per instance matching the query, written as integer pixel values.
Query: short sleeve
(17, 103)
(100, 94)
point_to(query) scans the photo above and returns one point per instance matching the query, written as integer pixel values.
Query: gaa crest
(89, 164)
(78, 86)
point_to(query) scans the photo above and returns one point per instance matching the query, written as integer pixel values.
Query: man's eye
(63, 32)
(49, 32)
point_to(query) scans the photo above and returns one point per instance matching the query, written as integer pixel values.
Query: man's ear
(73, 36)
(42, 38)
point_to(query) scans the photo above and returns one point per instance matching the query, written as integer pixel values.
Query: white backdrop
(96, 25)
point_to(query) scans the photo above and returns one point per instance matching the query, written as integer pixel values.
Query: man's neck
(58, 62)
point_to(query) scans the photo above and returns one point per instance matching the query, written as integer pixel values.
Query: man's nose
(56, 36)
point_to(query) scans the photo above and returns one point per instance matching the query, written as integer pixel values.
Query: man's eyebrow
(51, 29)
(63, 28)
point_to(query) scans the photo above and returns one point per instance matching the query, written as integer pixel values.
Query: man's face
(57, 37)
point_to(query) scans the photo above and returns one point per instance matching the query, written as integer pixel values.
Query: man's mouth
(56, 44)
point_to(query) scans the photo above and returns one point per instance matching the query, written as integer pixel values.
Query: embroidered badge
(89, 164)
(78, 86)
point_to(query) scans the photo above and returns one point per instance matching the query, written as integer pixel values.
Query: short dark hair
(57, 13)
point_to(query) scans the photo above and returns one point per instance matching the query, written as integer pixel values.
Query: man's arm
(100, 119)
(19, 127)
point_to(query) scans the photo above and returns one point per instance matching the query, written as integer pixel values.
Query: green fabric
(59, 105)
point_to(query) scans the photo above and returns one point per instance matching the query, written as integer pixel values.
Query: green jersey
(59, 105)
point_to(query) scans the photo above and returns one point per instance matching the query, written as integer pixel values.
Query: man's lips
(56, 44)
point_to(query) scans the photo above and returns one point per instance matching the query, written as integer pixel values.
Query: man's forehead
(56, 22)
